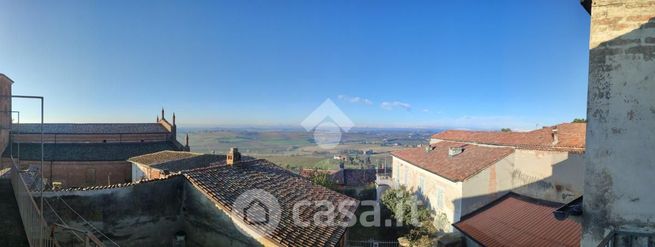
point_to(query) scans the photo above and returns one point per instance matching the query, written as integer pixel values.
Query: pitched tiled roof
(223, 184)
(162, 157)
(176, 161)
(89, 128)
(87, 151)
(571, 137)
(515, 220)
(471, 161)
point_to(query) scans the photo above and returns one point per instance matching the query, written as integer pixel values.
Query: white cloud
(425, 110)
(395, 105)
(355, 100)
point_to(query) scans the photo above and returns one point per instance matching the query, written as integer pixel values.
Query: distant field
(306, 161)
(296, 148)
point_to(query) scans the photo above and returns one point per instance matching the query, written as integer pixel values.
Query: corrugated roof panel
(516, 220)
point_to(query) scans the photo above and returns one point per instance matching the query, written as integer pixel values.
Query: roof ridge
(505, 196)
(116, 186)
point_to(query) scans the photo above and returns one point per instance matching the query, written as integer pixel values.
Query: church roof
(87, 151)
(89, 128)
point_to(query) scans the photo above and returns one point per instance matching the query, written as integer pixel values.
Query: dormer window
(452, 151)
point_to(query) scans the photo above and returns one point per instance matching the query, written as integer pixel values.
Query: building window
(440, 198)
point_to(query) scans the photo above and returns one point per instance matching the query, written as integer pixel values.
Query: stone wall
(620, 162)
(147, 214)
(207, 225)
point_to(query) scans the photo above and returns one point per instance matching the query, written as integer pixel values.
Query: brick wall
(82, 173)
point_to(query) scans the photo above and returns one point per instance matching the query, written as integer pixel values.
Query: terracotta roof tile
(223, 184)
(162, 157)
(571, 137)
(472, 160)
(516, 220)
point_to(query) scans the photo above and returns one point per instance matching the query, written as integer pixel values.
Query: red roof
(516, 220)
(471, 161)
(570, 137)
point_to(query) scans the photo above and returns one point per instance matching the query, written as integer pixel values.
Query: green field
(296, 148)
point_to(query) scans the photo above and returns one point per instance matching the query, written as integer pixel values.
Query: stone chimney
(233, 156)
(173, 118)
(162, 114)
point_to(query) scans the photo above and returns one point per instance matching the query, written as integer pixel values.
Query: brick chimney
(233, 156)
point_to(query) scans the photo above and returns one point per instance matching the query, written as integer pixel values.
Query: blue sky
(454, 64)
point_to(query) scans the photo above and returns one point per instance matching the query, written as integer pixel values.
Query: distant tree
(579, 120)
(506, 130)
(323, 179)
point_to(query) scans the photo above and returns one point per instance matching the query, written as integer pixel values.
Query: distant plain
(295, 148)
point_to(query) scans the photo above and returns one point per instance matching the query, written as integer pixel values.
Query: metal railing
(620, 238)
(39, 233)
(36, 228)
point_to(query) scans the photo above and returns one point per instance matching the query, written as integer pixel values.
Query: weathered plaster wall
(548, 175)
(5, 108)
(432, 183)
(620, 162)
(487, 185)
(207, 225)
(140, 171)
(147, 214)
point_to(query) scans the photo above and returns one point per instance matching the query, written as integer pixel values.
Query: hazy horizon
(384, 64)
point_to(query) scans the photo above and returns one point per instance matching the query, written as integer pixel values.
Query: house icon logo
(256, 213)
(327, 122)
(258, 208)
